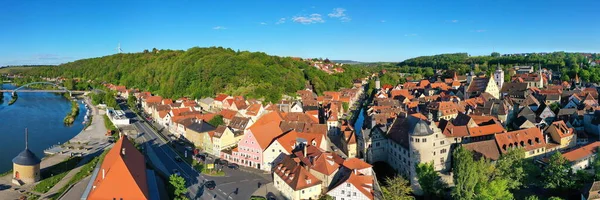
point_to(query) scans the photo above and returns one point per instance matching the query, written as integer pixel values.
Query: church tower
(541, 84)
(499, 76)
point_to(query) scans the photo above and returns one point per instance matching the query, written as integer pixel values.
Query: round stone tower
(421, 150)
(26, 166)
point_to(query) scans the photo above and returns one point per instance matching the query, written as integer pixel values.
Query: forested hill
(568, 63)
(204, 72)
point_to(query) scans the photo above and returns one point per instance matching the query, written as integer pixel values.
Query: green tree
(474, 179)
(326, 197)
(495, 54)
(465, 176)
(346, 106)
(178, 184)
(396, 188)
(131, 101)
(430, 181)
(532, 197)
(216, 121)
(596, 165)
(510, 167)
(555, 107)
(555, 198)
(69, 84)
(557, 173)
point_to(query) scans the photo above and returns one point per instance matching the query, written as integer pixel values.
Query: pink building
(255, 140)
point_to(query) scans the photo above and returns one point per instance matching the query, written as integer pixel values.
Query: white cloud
(411, 35)
(382, 21)
(454, 21)
(339, 13)
(311, 19)
(219, 28)
(281, 21)
(263, 23)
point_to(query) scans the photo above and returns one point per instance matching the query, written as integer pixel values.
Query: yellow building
(222, 139)
(196, 133)
(562, 134)
(26, 167)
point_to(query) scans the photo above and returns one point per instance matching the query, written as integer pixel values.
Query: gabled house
(582, 157)
(222, 138)
(197, 131)
(561, 134)
(122, 174)
(294, 180)
(255, 141)
(531, 140)
(354, 186)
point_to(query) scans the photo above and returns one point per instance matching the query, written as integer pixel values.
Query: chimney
(123, 152)
(103, 174)
(305, 150)
(355, 172)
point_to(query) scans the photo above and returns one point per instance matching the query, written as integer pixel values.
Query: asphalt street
(245, 183)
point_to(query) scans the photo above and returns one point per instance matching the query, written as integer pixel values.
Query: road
(244, 182)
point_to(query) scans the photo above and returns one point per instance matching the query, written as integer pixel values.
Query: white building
(407, 142)
(499, 76)
(354, 186)
(117, 117)
(582, 157)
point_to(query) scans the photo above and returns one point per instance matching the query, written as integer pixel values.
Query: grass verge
(45, 185)
(85, 171)
(211, 172)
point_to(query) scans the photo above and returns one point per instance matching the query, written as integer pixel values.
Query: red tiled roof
(582, 152)
(153, 99)
(228, 114)
(121, 174)
(355, 163)
(221, 97)
(529, 139)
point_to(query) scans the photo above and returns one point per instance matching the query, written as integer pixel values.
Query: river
(42, 114)
(359, 123)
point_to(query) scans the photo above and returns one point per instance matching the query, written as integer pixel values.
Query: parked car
(188, 148)
(210, 185)
(233, 166)
(223, 162)
(176, 172)
(178, 159)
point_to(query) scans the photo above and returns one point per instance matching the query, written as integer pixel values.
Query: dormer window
(308, 181)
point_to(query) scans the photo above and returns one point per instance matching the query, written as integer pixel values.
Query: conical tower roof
(26, 157)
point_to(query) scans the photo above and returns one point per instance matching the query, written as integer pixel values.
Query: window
(417, 140)
(434, 153)
(442, 142)
(273, 150)
(347, 185)
(343, 191)
(443, 151)
(354, 194)
(424, 139)
(442, 160)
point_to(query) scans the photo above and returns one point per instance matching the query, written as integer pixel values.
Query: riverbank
(87, 142)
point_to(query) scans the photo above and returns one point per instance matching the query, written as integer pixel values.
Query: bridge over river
(51, 91)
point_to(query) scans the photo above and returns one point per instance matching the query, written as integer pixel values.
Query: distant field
(11, 70)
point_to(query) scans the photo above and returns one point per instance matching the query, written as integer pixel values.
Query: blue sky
(52, 32)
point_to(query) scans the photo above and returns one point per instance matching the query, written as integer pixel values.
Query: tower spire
(26, 139)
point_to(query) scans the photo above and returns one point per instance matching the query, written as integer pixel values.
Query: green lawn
(211, 172)
(85, 171)
(45, 185)
(61, 167)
